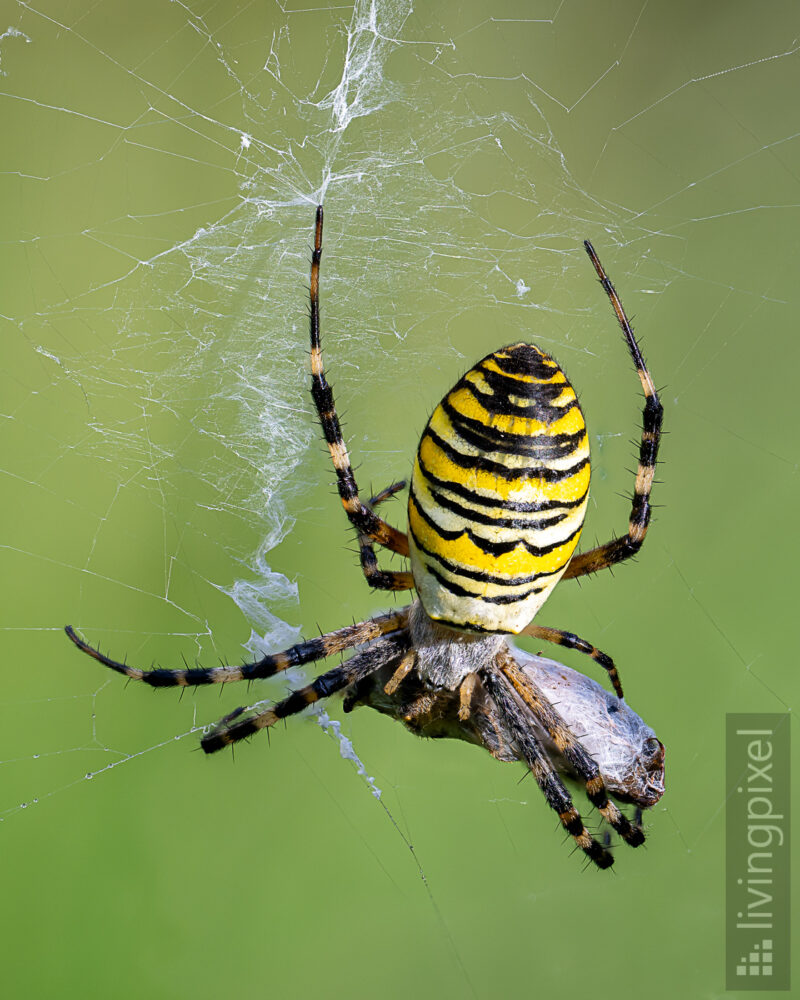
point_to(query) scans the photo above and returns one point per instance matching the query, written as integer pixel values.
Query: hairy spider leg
(570, 748)
(267, 666)
(375, 576)
(619, 549)
(535, 756)
(466, 692)
(561, 638)
(403, 670)
(361, 517)
(237, 726)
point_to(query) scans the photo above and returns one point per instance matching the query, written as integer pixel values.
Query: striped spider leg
(239, 726)
(375, 576)
(497, 499)
(561, 638)
(392, 626)
(363, 519)
(619, 549)
(569, 747)
(591, 736)
(504, 729)
(535, 756)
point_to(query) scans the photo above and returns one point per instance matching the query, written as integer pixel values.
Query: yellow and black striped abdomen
(498, 492)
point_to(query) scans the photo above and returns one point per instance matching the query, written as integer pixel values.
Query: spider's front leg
(364, 520)
(619, 549)
(570, 748)
(535, 756)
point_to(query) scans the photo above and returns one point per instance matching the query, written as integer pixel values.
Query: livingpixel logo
(758, 962)
(757, 839)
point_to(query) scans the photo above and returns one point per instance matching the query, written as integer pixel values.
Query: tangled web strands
(192, 357)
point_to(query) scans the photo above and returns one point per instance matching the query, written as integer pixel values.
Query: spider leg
(238, 726)
(375, 576)
(629, 544)
(572, 641)
(414, 712)
(403, 670)
(465, 694)
(381, 579)
(267, 666)
(387, 493)
(534, 755)
(570, 748)
(361, 517)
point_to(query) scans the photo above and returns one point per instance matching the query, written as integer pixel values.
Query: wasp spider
(497, 499)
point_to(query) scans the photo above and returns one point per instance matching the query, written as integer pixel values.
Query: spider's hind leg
(361, 517)
(627, 545)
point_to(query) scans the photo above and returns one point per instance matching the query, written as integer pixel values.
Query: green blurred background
(164, 489)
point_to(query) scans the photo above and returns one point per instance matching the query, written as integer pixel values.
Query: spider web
(166, 490)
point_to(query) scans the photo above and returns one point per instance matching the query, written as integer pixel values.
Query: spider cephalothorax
(497, 501)
(628, 755)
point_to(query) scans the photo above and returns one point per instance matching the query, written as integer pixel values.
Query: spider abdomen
(498, 492)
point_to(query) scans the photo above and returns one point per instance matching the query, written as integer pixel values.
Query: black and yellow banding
(570, 749)
(361, 517)
(629, 544)
(239, 726)
(497, 501)
(403, 670)
(561, 638)
(535, 756)
(375, 576)
(304, 652)
(498, 492)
